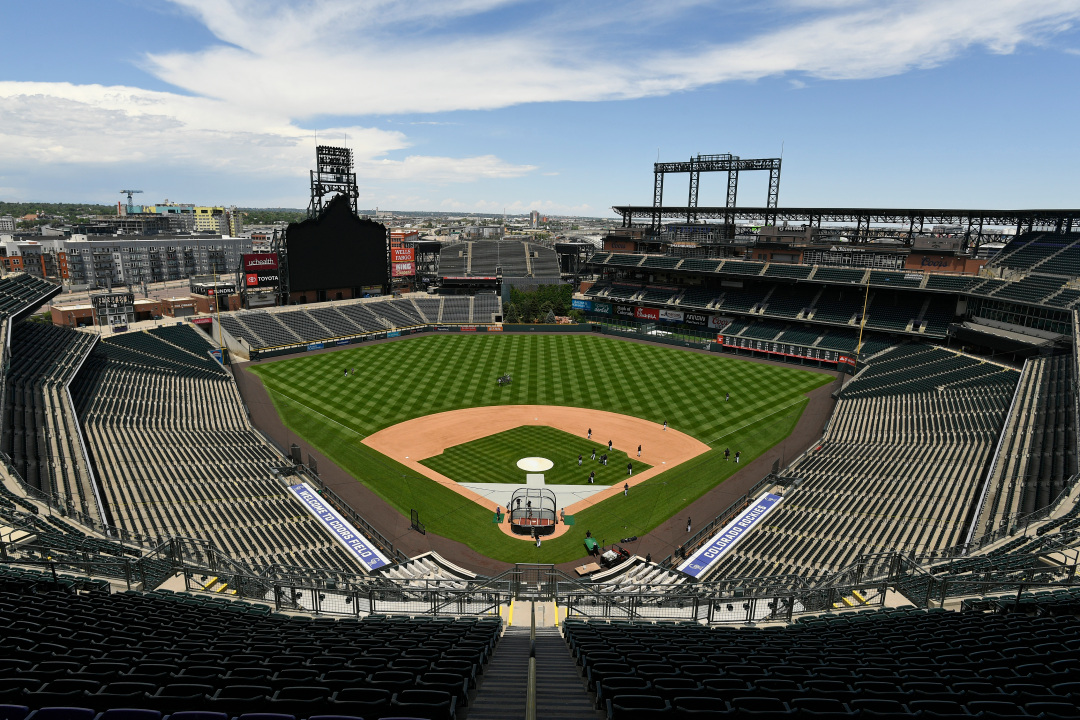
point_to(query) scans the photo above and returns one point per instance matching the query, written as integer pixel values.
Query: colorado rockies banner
(339, 527)
(731, 533)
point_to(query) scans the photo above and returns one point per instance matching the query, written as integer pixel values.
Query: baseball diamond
(403, 380)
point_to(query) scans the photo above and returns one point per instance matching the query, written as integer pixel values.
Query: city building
(7, 224)
(534, 218)
(400, 236)
(94, 261)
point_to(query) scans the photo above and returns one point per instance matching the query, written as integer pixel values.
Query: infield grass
(493, 459)
(411, 378)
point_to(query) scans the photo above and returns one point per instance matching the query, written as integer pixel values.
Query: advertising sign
(339, 527)
(403, 255)
(646, 313)
(113, 301)
(698, 563)
(203, 321)
(581, 304)
(696, 319)
(672, 315)
(402, 269)
(601, 308)
(315, 346)
(624, 310)
(717, 322)
(260, 262)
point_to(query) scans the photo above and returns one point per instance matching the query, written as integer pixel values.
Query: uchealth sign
(646, 313)
(260, 262)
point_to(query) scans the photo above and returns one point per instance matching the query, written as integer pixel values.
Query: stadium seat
(198, 715)
(426, 704)
(362, 702)
(702, 706)
(638, 707)
(129, 714)
(62, 713)
(445, 682)
(13, 712)
(821, 707)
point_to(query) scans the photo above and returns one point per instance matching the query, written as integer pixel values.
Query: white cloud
(515, 207)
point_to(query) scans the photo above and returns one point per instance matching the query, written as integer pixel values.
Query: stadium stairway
(560, 690)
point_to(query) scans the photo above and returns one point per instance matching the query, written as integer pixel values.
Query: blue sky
(481, 105)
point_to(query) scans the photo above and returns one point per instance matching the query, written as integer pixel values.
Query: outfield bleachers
(742, 301)
(791, 301)
(892, 278)
(700, 264)
(698, 297)
(485, 307)
(661, 262)
(837, 306)
(741, 267)
(1029, 250)
(950, 283)
(1032, 288)
(898, 467)
(782, 270)
(838, 275)
(1037, 452)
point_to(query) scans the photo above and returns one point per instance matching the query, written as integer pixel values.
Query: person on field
(737, 454)
(592, 478)
(589, 436)
(593, 454)
(727, 454)
(639, 451)
(579, 461)
(727, 396)
(629, 469)
(609, 446)
(687, 524)
(626, 489)
(665, 424)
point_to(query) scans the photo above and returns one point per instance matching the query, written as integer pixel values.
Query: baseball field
(391, 383)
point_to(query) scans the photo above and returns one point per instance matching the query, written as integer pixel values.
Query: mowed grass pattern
(411, 378)
(493, 459)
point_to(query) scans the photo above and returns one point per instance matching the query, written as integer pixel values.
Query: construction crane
(129, 193)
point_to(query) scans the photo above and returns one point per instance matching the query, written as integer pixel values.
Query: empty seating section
(799, 336)
(898, 468)
(741, 267)
(736, 300)
(839, 275)
(799, 272)
(698, 297)
(336, 324)
(453, 260)
(598, 289)
(700, 265)
(834, 339)
(175, 456)
(485, 307)
(791, 300)
(1066, 298)
(456, 309)
(1032, 288)
(950, 283)
(838, 306)
(1037, 452)
(894, 318)
(939, 313)
(764, 330)
(894, 663)
(1065, 262)
(1030, 249)
(512, 260)
(361, 316)
(268, 329)
(666, 262)
(544, 262)
(623, 291)
(658, 294)
(172, 653)
(40, 428)
(890, 278)
(20, 292)
(429, 307)
(623, 259)
(600, 257)
(303, 325)
(397, 313)
(986, 287)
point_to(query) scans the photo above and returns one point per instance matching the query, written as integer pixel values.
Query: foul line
(755, 422)
(304, 405)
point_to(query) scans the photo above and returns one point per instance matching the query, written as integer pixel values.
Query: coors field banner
(716, 322)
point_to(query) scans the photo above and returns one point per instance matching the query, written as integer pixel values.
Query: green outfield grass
(411, 378)
(493, 459)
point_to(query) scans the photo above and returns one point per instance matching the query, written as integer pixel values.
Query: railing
(720, 520)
